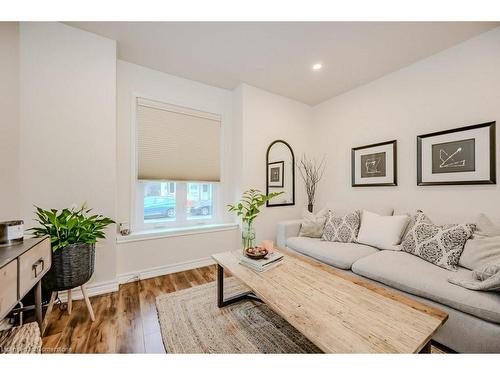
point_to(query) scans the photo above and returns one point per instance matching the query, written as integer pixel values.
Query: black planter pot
(310, 207)
(72, 266)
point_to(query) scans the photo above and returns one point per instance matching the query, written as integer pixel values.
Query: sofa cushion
(337, 254)
(416, 276)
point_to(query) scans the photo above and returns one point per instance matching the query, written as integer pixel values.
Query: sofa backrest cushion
(480, 251)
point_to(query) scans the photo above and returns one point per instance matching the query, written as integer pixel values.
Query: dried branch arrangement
(311, 171)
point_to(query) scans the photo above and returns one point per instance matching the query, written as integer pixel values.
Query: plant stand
(70, 305)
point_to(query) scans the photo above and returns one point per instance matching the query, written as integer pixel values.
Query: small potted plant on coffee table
(248, 209)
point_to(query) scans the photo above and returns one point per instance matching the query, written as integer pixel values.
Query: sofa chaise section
(411, 274)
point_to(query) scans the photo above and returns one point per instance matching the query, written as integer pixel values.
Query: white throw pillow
(383, 232)
(313, 224)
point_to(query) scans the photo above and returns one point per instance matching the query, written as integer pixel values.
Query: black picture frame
(292, 203)
(492, 151)
(394, 165)
(282, 163)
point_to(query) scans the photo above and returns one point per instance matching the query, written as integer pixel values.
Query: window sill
(153, 234)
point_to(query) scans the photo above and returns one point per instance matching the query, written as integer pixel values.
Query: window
(175, 147)
(174, 204)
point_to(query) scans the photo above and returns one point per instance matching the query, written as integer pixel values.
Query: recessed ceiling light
(317, 66)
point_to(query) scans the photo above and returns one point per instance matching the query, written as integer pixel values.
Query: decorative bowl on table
(256, 252)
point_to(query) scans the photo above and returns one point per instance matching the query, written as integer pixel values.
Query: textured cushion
(383, 232)
(416, 276)
(337, 254)
(342, 228)
(486, 272)
(313, 224)
(438, 244)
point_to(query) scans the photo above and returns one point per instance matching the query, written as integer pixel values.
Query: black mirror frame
(293, 174)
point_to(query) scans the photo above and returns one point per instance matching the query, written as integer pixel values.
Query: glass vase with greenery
(248, 209)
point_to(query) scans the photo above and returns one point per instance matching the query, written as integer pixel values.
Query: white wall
(72, 148)
(137, 80)
(457, 87)
(263, 118)
(9, 109)
(68, 125)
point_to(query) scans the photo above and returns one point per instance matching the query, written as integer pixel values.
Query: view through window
(177, 202)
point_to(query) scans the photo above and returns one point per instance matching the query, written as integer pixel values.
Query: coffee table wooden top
(338, 312)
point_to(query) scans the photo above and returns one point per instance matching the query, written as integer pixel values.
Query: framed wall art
(462, 156)
(374, 165)
(276, 174)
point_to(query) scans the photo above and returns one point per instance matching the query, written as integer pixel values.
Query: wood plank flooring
(125, 321)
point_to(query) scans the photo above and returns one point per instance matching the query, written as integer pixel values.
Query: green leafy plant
(248, 206)
(70, 226)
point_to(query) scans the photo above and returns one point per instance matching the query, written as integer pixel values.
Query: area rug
(191, 322)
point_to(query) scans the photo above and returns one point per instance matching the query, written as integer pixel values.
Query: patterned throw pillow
(342, 228)
(438, 244)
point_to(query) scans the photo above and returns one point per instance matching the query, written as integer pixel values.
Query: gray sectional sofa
(473, 325)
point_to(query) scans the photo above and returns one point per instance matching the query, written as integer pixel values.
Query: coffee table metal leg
(427, 348)
(221, 302)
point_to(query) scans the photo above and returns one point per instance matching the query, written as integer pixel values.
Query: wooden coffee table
(338, 312)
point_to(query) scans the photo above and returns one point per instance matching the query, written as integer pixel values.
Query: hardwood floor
(125, 321)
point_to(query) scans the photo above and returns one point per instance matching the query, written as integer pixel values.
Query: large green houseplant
(248, 209)
(73, 234)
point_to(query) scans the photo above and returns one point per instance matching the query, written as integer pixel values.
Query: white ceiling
(277, 56)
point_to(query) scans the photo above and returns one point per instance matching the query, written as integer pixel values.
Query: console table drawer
(33, 264)
(8, 287)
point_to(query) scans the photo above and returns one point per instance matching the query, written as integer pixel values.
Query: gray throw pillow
(484, 247)
(480, 251)
(313, 224)
(486, 279)
(438, 244)
(486, 227)
(342, 228)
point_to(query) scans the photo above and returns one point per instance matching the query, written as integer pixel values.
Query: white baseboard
(93, 289)
(164, 270)
(96, 289)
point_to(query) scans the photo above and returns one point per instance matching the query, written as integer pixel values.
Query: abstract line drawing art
(373, 165)
(453, 157)
(448, 160)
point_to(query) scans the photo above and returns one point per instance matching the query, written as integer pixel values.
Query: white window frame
(137, 223)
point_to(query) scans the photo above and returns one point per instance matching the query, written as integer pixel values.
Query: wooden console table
(22, 266)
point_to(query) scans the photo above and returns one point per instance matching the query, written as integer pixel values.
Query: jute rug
(191, 322)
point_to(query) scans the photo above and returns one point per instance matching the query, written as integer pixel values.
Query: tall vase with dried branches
(312, 171)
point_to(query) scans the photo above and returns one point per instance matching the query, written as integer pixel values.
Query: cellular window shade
(176, 143)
